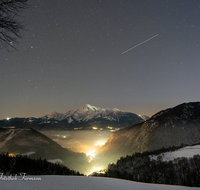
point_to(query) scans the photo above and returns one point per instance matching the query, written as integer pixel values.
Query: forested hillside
(141, 168)
(23, 164)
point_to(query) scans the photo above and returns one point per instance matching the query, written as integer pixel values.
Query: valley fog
(86, 141)
(83, 141)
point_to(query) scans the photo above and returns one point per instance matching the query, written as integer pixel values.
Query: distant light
(8, 118)
(97, 170)
(110, 127)
(11, 155)
(91, 155)
(99, 144)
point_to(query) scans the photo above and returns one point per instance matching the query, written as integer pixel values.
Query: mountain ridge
(86, 117)
(37, 145)
(85, 110)
(167, 128)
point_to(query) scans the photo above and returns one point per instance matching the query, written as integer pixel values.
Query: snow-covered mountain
(86, 117)
(92, 115)
(88, 112)
(85, 113)
(145, 117)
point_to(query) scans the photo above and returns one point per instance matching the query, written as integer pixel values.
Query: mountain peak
(88, 113)
(89, 107)
(115, 109)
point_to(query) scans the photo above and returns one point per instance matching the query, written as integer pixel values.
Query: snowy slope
(83, 183)
(145, 117)
(188, 152)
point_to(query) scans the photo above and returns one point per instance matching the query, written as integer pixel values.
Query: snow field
(83, 183)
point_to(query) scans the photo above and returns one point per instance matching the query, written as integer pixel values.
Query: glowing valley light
(97, 170)
(7, 118)
(99, 144)
(94, 128)
(91, 155)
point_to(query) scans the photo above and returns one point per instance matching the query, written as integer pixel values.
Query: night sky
(71, 55)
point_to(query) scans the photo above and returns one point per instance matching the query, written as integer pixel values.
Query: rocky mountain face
(88, 112)
(86, 117)
(36, 145)
(170, 127)
(92, 116)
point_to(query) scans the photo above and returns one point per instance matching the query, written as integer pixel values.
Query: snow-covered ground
(188, 152)
(28, 153)
(56, 161)
(83, 183)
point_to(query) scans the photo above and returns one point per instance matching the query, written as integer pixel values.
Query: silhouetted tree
(10, 25)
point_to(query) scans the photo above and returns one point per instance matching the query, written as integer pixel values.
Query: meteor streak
(140, 44)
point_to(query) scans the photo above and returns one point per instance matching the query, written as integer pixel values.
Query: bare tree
(10, 24)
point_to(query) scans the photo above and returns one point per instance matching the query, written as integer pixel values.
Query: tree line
(23, 164)
(141, 168)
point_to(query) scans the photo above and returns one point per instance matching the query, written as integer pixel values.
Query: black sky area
(71, 55)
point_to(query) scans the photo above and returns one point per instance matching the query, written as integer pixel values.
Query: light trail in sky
(140, 44)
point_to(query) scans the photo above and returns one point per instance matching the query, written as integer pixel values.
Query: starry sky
(71, 55)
